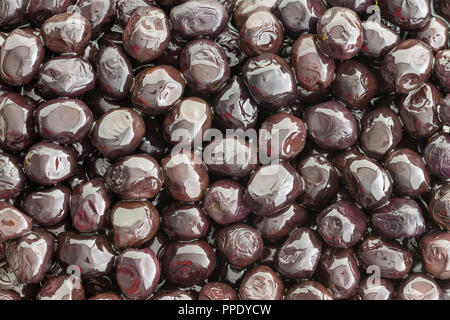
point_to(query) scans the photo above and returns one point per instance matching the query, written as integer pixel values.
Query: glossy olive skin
(440, 71)
(299, 16)
(125, 8)
(437, 155)
(178, 294)
(13, 13)
(338, 271)
(20, 45)
(299, 255)
(261, 283)
(106, 296)
(308, 290)
(444, 110)
(230, 156)
(370, 289)
(217, 291)
(435, 252)
(418, 286)
(341, 224)
(339, 33)
(36, 247)
(185, 176)
(407, 66)
(409, 15)
(314, 70)
(137, 273)
(434, 34)
(8, 295)
(270, 80)
(393, 260)
(48, 163)
(272, 188)
(14, 222)
(132, 223)
(378, 39)
(409, 173)
(246, 7)
(261, 33)
(224, 202)
(64, 120)
(241, 244)
(91, 253)
(68, 32)
(188, 263)
(234, 108)
(368, 182)
(331, 125)
(63, 287)
(199, 18)
(440, 205)
(12, 178)
(66, 76)
(41, 10)
(147, 34)
(184, 222)
(321, 181)
(204, 65)
(99, 12)
(157, 89)
(381, 132)
(16, 121)
(47, 207)
(118, 132)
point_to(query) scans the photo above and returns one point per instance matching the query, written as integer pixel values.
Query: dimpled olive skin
(440, 206)
(270, 80)
(314, 70)
(184, 222)
(217, 291)
(13, 13)
(9, 295)
(261, 283)
(188, 263)
(40, 10)
(14, 222)
(378, 39)
(434, 34)
(418, 286)
(340, 33)
(308, 290)
(440, 71)
(20, 45)
(12, 178)
(147, 34)
(99, 12)
(435, 253)
(437, 155)
(63, 287)
(65, 121)
(412, 14)
(370, 289)
(407, 66)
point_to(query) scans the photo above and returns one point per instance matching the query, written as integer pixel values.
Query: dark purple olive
(444, 110)
(217, 291)
(100, 104)
(359, 6)
(230, 43)
(435, 252)
(338, 272)
(392, 260)
(411, 14)
(246, 7)
(230, 156)
(14, 223)
(314, 70)
(91, 253)
(224, 202)
(97, 167)
(434, 34)
(418, 286)
(16, 122)
(157, 89)
(272, 188)
(270, 80)
(372, 288)
(185, 176)
(341, 224)
(29, 257)
(204, 65)
(308, 290)
(132, 223)
(437, 155)
(13, 13)
(118, 132)
(41, 10)
(147, 34)
(125, 8)
(381, 132)
(114, 72)
(21, 46)
(331, 125)
(340, 33)
(63, 287)
(106, 296)
(440, 206)
(241, 244)
(261, 283)
(9, 295)
(99, 12)
(12, 178)
(67, 32)
(199, 18)
(184, 222)
(89, 206)
(407, 66)
(178, 294)
(47, 207)
(299, 255)
(48, 163)
(188, 263)
(64, 120)
(153, 142)
(409, 173)
(66, 76)
(137, 273)
(378, 39)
